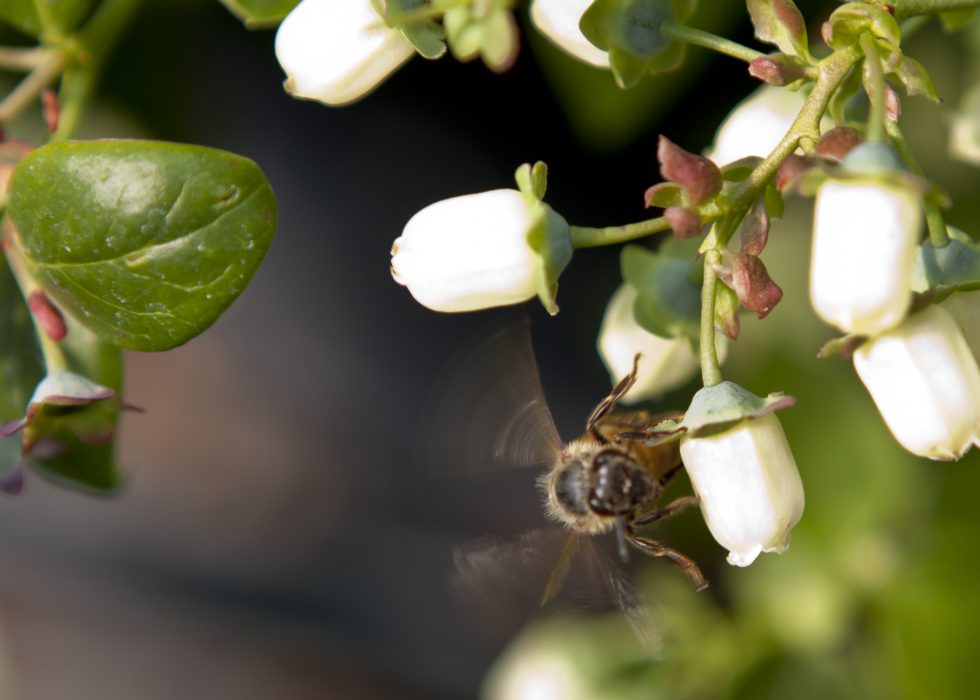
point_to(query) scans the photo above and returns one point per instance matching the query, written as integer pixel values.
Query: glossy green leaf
(146, 243)
(35, 17)
(258, 14)
(779, 22)
(669, 301)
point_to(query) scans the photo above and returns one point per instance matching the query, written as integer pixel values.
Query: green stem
(876, 94)
(910, 8)
(707, 40)
(96, 40)
(587, 237)
(833, 70)
(21, 59)
(30, 87)
(55, 359)
(935, 221)
(710, 369)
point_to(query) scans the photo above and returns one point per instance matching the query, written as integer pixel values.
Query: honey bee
(611, 478)
(608, 480)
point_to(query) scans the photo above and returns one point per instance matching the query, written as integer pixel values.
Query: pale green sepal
(548, 235)
(426, 35)
(955, 266)
(719, 407)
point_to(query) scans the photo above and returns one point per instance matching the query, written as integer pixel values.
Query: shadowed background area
(278, 537)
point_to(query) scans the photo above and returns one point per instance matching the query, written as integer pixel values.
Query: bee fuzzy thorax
(591, 484)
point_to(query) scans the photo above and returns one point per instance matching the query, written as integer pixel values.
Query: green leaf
(779, 22)
(956, 265)
(259, 14)
(36, 17)
(146, 243)
(669, 301)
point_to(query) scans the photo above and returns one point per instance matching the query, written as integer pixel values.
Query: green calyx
(722, 406)
(548, 234)
(415, 21)
(630, 31)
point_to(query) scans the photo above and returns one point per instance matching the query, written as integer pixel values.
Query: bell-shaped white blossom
(865, 234)
(748, 485)
(925, 382)
(757, 124)
(667, 362)
(337, 51)
(559, 21)
(468, 252)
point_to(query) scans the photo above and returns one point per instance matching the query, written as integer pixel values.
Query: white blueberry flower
(748, 485)
(559, 21)
(667, 362)
(337, 51)
(865, 233)
(756, 125)
(478, 250)
(925, 382)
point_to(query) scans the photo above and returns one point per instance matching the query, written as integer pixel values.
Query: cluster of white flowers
(338, 51)
(918, 367)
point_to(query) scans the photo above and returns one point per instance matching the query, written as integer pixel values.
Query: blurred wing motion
(506, 582)
(487, 411)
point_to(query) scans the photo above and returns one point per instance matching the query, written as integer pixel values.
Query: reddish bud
(48, 317)
(893, 106)
(50, 109)
(789, 16)
(790, 170)
(838, 142)
(685, 223)
(753, 285)
(754, 230)
(700, 178)
(776, 69)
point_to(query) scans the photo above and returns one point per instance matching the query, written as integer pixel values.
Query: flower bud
(865, 233)
(473, 252)
(667, 363)
(925, 382)
(337, 51)
(559, 21)
(748, 485)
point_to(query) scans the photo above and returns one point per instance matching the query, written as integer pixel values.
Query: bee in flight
(493, 415)
(611, 479)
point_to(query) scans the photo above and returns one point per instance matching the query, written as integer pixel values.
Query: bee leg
(608, 403)
(669, 474)
(681, 561)
(668, 511)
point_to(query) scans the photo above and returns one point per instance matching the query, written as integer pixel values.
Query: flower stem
(934, 215)
(909, 8)
(30, 87)
(21, 59)
(54, 357)
(97, 39)
(710, 369)
(587, 237)
(707, 40)
(876, 95)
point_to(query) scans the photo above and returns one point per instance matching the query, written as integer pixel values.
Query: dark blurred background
(278, 536)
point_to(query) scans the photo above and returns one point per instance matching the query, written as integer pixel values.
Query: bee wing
(488, 411)
(503, 580)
